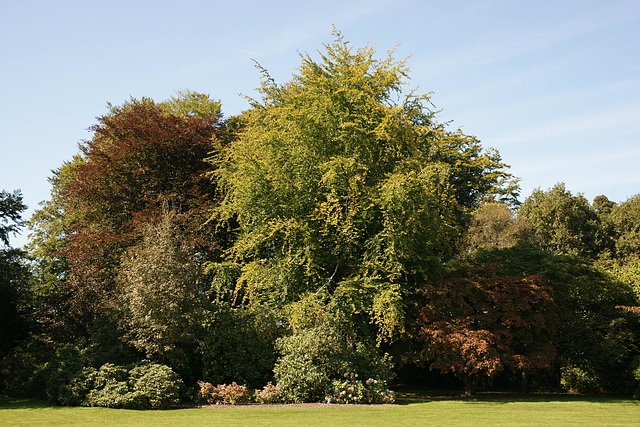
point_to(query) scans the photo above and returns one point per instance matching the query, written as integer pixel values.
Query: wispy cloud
(507, 42)
(576, 126)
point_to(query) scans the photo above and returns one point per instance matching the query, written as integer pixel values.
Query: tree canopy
(342, 184)
(11, 208)
(336, 234)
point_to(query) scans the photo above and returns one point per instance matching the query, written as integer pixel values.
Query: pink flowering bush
(269, 394)
(223, 394)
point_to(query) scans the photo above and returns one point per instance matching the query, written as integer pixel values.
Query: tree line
(336, 232)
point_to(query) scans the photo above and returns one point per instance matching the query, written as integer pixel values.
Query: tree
(14, 274)
(342, 185)
(142, 156)
(493, 225)
(596, 333)
(49, 227)
(159, 290)
(626, 223)
(11, 208)
(476, 323)
(562, 223)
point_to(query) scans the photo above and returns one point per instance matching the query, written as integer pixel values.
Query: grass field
(483, 410)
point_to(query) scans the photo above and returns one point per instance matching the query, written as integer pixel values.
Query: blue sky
(553, 85)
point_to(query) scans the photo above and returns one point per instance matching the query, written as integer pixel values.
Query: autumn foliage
(476, 324)
(142, 159)
(333, 232)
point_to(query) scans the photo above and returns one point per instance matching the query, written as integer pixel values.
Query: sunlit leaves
(343, 184)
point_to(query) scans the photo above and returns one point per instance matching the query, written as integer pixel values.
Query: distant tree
(493, 225)
(562, 223)
(476, 323)
(626, 222)
(11, 208)
(623, 225)
(602, 205)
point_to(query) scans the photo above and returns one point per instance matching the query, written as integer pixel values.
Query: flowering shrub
(223, 394)
(269, 394)
(369, 392)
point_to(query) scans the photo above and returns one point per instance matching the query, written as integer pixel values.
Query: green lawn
(484, 410)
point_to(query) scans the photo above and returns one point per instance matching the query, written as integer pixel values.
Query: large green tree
(343, 185)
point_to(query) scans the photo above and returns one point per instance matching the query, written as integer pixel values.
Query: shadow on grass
(24, 403)
(410, 396)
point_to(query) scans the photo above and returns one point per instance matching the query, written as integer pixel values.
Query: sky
(554, 86)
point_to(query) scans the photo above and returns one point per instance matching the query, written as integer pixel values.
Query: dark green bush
(59, 377)
(156, 386)
(636, 375)
(143, 385)
(239, 345)
(19, 367)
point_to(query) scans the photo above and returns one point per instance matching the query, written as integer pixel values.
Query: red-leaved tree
(143, 159)
(476, 324)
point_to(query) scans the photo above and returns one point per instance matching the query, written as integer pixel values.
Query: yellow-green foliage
(342, 184)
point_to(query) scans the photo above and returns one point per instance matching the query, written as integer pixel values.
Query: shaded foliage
(238, 344)
(596, 333)
(476, 323)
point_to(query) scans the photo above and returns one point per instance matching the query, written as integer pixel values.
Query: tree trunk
(469, 384)
(525, 382)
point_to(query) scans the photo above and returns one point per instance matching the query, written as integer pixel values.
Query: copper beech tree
(143, 158)
(476, 323)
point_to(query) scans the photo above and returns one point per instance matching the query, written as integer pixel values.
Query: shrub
(370, 392)
(223, 394)
(239, 345)
(312, 358)
(142, 385)
(59, 377)
(270, 393)
(576, 380)
(18, 368)
(155, 386)
(636, 374)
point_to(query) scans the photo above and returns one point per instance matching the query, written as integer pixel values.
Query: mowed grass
(483, 410)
